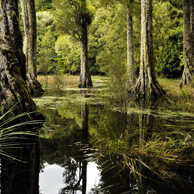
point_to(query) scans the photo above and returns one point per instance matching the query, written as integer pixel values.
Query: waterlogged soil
(93, 143)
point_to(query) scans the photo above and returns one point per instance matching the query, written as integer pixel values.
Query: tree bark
(147, 84)
(13, 88)
(187, 46)
(192, 30)
(85, 80)
(30, 46)
(130, 51)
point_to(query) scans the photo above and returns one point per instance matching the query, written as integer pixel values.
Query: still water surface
(51, 180)
(90, 144)
(80, 123)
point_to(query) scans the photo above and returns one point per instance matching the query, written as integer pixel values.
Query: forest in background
(59, 52)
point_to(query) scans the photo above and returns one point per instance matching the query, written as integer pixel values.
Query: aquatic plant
(153, 154)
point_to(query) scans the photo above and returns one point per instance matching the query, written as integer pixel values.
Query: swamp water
(91, 145)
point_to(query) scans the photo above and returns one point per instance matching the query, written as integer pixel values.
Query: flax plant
(14, 134)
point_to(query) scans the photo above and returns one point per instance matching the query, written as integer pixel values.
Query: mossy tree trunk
(85, 80)
(30, 46)
(130, 50)
(192, 30)
(147, 84)
(187, 45)
(13, 88)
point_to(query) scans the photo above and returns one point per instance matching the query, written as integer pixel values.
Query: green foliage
(46, 37)
(168, 39)
(111, 33)
(43, 5)
(77, 13)
(118, 76)
(68, 50)
(106, 35)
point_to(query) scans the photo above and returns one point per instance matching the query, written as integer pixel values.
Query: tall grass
(58, 81)
(66, 81)
(180, 99)
(153, 152)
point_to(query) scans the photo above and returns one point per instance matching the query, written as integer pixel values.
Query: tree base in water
(152, 89)
(34, 86)
(85, 80)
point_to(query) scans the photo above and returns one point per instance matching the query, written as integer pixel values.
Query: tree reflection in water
(132, 165)
(81, 168)
(127, 142)
(21, 175)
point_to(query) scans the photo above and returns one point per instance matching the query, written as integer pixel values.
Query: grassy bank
(183, 98)
(67, 81)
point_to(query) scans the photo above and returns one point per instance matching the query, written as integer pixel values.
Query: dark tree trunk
(30, 46)
(130, 51)
(85, 80)
(147, 84)
(192, 31)
(187, 46)
(13, 88)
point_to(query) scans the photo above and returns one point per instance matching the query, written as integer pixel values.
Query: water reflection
(156, 174)
(129, 147)
(75, 153)
(21, 174)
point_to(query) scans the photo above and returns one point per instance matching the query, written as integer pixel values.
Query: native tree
(188, 42)
(147, 84)
(13, 88)
(74, 18)
(30, 46)
(192, 27)
(130, 47)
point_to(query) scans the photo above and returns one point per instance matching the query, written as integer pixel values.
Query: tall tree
(30, 46)
(83, 20)
(130, 50)
(192, 27)
(147, 84)
(187, 43)
(74, 18)
(13, 88)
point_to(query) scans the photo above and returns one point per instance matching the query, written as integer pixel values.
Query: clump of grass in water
(10, 133)
(163, 151)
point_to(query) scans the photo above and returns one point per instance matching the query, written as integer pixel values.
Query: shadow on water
(20, 152)
(20, 170)
(166, 171)
(144, 148)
